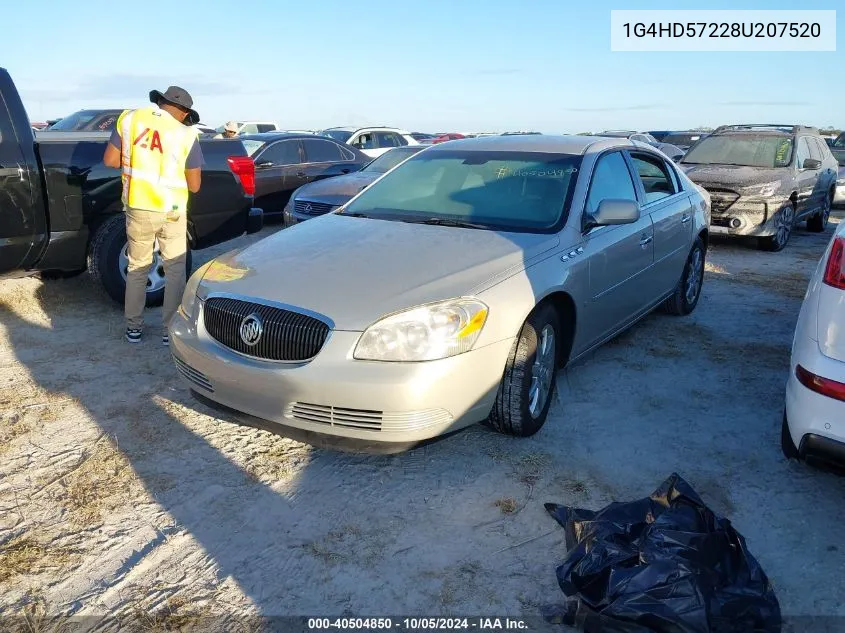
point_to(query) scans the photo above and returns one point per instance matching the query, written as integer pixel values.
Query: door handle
(345, 170)
(685, 218)
(646, 239)
(300, 174)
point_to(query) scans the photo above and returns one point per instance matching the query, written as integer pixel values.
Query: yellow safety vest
(154, 148)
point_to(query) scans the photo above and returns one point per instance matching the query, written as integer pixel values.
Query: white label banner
(710, 30)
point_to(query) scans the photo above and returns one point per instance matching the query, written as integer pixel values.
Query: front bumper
(816, 422)
(335, 397)
(747, 216)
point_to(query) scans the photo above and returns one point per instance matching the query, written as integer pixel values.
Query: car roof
(348, 128)
(544, 143)
(779, 129)
(269, 137)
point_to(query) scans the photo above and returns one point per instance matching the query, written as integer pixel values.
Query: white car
(373, 141)
(253, 127)
(814, 419)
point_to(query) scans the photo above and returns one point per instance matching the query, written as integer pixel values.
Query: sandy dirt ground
(119, 494)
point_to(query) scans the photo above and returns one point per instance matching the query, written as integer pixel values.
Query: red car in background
(451, 136)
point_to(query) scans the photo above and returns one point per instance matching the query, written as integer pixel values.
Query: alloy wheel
(783, 226)
(542, 372)
(695, 276)
(155, 277)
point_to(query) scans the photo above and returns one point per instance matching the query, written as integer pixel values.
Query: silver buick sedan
(447, 293)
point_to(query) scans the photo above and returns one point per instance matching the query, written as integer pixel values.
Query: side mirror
(613, 212)
(811, 163)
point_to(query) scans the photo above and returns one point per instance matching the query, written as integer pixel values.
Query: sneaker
(165, 339)
(133, 335)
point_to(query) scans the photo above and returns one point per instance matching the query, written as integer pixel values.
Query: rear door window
(266, 127)
(386, 139)
(321, 151)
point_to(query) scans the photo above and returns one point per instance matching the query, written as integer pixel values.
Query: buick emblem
(251, 329)
(308, 208)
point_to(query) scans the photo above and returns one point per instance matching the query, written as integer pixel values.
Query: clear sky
(429, 65)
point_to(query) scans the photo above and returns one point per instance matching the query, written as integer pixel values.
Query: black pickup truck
(61, 210)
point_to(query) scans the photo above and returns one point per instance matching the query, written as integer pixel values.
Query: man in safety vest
(161, 159)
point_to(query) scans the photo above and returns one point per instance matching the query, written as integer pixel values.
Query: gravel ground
(119, 494)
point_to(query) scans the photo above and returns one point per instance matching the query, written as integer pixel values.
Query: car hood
(338, 189)
(355, 270)
(732, 175)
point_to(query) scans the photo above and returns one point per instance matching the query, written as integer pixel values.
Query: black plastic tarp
(664, 564)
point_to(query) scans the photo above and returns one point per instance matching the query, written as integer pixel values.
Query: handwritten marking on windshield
(504, 172)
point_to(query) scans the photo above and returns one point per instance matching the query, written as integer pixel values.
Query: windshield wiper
(449, 222)
(354, 214)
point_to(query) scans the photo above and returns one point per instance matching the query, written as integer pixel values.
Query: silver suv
(764, 179)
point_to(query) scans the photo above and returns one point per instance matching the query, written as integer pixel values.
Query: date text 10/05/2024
(418, 624)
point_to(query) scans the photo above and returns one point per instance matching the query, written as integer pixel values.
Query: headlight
(764, 190)
(189, 297)
(427, 332)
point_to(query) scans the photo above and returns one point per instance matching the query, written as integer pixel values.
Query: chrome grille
(307, 207)
(337, 416)
(721, 199)
(287, 335)
(193, 376)
(366, 419)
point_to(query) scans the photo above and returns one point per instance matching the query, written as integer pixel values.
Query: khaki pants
(143, 228)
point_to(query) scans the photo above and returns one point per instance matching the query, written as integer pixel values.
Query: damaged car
(448, 292)
(764, 179)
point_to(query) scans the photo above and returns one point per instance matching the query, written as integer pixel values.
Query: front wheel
(528, 384)
(784, 221)
(108, 263)
(688, 291)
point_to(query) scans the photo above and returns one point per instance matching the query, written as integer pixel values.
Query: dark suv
(764, 179)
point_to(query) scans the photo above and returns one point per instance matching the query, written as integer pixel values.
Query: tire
(527, 369)
(686, 295)
(786, 444)
(818, 223)
(104, 262)
(784, 222)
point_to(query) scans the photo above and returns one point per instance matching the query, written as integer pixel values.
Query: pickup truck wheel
(818, 223)
(688, 291)
(528, 385)
(784, 220)
(107, 263)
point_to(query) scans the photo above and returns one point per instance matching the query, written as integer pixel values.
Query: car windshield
(341, 136)
(252, 146)
(83, 119)
(681, 139)
(746, 150)
(504, 190)
(389, 159)
(839, 143)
